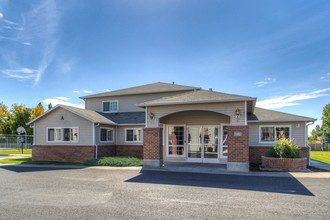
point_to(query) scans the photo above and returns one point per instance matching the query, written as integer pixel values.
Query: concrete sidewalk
(320, 165)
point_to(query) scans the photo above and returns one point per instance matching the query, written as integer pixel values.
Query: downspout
(94, 142)
(246, 113)
(306, 143)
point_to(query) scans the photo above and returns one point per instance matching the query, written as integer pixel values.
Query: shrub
(285, 148)
(116, 161)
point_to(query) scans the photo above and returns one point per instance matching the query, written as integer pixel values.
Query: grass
(105, 161)
(25, 151)
(322, 156)
(116, 161)
(30, 161)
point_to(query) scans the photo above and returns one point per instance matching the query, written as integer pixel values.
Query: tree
(50, 106)
(326, 123)
(20, 115)
(37, 111)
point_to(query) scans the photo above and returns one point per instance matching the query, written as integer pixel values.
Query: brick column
(152, 147)
(238, 148)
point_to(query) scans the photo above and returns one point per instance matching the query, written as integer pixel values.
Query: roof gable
(158, 87)
(84, 113)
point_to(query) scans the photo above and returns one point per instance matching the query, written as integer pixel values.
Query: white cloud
(291, 100)
(62, 101)
(1, 15)
(35, 28)
(20, 74)
(83, 91)
(325, 77)
(87, 91)
(264, 82)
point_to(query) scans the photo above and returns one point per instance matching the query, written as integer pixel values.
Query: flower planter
(283, 164)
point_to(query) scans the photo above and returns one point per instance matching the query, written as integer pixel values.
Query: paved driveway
(97, 193)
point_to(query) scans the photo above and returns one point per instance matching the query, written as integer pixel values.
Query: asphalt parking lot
(100, 193)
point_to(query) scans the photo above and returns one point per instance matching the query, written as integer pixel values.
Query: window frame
(184, 142)
(275, 135)
(139, 141)
(107, 129)
(110, 101)
(62, 135)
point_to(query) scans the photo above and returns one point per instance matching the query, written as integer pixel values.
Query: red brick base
(257, 152)
(69, 153)
(284, 164)
(63, 153)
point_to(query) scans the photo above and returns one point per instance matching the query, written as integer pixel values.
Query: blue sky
(57, 51)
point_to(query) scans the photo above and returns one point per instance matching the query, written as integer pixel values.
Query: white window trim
(126, 141)
(110, 101)
(62, 141)
(184, 142)
(113, 135)
(274, 126)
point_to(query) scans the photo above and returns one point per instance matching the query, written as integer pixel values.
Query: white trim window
(107, 134)
(62, 134)
(133, 135)
(273, 133)
(110, 106)
(175, 140)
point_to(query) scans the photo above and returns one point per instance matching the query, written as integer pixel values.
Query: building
(164, 122)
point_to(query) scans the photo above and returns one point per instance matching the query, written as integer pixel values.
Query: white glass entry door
(203, 144)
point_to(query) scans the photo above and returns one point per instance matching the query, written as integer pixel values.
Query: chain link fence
(9, 141)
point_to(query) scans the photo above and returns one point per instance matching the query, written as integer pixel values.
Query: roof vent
(210, 89)
(173, 82)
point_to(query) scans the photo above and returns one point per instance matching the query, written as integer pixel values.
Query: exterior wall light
(151, 115)
(237, 114)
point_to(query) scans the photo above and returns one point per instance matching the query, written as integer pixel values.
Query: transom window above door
(110, 106)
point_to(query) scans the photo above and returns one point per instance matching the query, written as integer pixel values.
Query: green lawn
(322, 156)
(25, 151)
(29, 161)
(106, 161)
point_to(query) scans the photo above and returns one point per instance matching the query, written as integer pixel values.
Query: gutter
(94, 142)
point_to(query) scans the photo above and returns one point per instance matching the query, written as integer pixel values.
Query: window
(274, 133)
(133, 135)
(62, 134)
(110, 106)
(106, 134)
(175, 140)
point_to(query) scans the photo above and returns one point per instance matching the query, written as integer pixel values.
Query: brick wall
(106, 151)
(285, 164)
(152, 143)
(64, 153)
(257, 152)
(129, 150)
(238, 144)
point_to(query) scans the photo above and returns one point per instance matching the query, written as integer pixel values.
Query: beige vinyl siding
(297, 133)
(227, 109)
(53, 119)
(126, 103)
(121, 135)
(98, 137)
(196, 118)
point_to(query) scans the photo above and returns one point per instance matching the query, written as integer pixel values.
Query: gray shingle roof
(126, 117)
(144, 89)
(197, 96)
(265, 115)
(99, 117)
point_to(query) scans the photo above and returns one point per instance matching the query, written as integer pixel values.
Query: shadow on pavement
(286, 185)
(25, 169)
